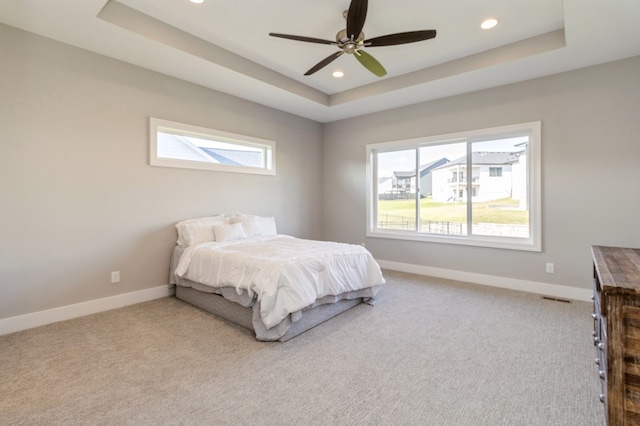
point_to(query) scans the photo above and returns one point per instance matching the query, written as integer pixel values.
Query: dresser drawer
(600, 341)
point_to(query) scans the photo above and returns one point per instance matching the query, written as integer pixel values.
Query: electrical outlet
(550, 268)
(115, 277)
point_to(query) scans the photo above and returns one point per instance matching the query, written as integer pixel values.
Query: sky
(405, 160)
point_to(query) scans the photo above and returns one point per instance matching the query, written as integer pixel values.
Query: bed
(239, 268)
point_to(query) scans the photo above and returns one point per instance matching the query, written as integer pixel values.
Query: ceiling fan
(351, 40)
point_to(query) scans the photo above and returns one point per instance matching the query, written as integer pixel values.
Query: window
(477, 188)
(495, 171)
(185, 146)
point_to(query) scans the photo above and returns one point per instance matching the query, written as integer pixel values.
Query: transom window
(185, 146)
(480, 188)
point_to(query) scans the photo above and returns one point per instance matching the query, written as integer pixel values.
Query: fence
(388, 221)
(397, 196)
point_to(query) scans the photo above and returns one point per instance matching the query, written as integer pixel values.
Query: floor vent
(555, 299)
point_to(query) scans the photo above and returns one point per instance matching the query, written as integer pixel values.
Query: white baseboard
(36, 319)
(552, 290)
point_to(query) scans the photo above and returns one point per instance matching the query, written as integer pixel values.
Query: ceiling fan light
(197, 1)
(338, 74)
(489, 23)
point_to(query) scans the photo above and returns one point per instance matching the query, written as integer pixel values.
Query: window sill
(522, 244)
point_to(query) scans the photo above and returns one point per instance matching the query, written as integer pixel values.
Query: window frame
(181, 129)
(534, 167)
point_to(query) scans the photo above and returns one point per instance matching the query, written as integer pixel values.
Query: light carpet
(430, 352)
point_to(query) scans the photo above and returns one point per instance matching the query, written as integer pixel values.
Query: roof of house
(487, 158)
(234, 157)
(186, 148)
(424, 169)
(404, 175)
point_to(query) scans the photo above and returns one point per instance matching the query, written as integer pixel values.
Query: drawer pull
(601, 346)
(594, 316)
(597, 361)
(601, 374)
(596, 339)
(594, 333)
(602, 398)
(592, 298)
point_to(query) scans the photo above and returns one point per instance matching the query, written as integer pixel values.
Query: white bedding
(287, 274)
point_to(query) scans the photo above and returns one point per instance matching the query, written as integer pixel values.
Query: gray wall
(79, 200)
(77, 196)
(590, 170)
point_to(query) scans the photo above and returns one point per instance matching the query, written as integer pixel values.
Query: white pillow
(194, 231)
(255, 226)
(229, 232)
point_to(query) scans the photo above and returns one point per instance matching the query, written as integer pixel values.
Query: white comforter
(287, 274)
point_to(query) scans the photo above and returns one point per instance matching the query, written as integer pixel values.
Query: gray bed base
(249, 317)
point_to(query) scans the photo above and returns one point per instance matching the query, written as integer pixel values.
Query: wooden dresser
(616, 334)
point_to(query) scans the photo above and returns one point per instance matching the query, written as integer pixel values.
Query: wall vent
(555, 299)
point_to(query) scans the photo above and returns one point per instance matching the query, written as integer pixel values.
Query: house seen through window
(185, 146)
(473, 188)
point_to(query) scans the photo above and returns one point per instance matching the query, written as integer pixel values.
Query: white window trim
(156, 124)
(534, 159)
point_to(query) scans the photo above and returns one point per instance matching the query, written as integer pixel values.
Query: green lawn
(485, 212)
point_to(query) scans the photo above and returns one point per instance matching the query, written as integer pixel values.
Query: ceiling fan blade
(370, 63)
(400, 38)
(303, 38)
(355, 18)
(323, 63)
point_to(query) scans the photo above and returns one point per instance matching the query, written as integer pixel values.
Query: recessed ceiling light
(197, 1)
(489, 23)
(338, 74)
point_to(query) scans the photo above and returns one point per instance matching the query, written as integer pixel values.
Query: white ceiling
(224, 44)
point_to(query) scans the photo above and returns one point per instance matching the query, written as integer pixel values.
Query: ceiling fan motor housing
(346, 44)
